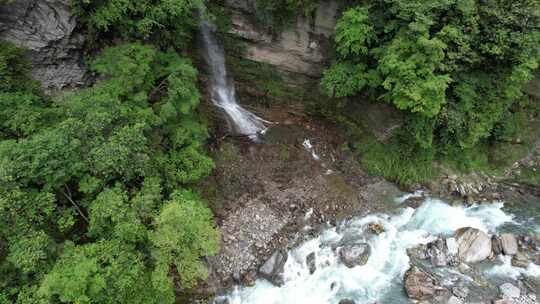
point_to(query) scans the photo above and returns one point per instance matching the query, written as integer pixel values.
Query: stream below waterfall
(381, 279)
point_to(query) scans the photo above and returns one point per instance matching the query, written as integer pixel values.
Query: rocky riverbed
(436, 253)
(271, 194)
(302, 223)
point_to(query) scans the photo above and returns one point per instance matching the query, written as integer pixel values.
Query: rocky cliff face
(46, 28)
(301, 49)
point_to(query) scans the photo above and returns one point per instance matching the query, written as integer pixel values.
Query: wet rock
(509, 244)
(520, 260)
(463, 268)
(272, 269)
(311, 262)
(438, 257)
(454, 300)
(249, 279)
(460, 291)
(419, 284)
(473, 245)
(419, 252)
(496, 245)
(376, 228)
(415, 201)
(354, 254)
(346, 301)
(509, 291)
(437, 253)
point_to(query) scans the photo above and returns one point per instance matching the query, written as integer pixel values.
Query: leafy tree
(84, 176)
(184, 233)
(163, 22)
(454, 67)
(101, 272)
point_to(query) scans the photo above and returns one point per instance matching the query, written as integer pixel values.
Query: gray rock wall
(46, 28)
(303, 49)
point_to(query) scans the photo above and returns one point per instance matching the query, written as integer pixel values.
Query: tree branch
(68, 196)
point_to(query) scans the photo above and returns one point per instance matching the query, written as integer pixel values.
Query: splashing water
(505, 269)
(223, 93)
(381, 278)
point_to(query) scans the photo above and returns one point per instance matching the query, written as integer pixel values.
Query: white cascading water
(222, 91)
(380, 280)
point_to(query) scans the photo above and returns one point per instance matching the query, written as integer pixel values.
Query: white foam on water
(504, 269)
(437, 217)
(403, 198)
(309, 147)
(386, 265)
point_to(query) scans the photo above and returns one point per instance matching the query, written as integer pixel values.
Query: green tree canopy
(84, 177)
(454, 66)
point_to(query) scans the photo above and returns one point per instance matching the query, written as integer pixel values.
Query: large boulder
(520, 260)
(509, 244)
(419, 284)
(47, 29)
(272, 269)
(354, 254)
(473, 245)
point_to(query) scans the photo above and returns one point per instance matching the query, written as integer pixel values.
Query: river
(381, 279)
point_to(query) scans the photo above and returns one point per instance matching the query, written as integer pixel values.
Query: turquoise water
(381, 278)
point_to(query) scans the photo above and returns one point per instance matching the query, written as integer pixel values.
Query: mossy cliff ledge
(302, 47)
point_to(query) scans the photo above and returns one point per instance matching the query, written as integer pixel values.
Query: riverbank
(272, 195)
(265, 194)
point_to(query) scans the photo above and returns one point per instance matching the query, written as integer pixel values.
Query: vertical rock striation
(46, 28)
(302, 49)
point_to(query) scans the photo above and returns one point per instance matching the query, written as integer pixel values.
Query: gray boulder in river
(354, 254)
(419, 284)
(272, 269)
(473, 245)
(509, 244)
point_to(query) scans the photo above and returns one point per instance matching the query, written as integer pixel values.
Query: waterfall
(222, 90)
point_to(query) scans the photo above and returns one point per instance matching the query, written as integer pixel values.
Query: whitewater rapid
(381, 278)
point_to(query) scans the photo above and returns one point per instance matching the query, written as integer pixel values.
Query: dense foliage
(454, 67)
(91, 205)
(274, 16)
(165, 23)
